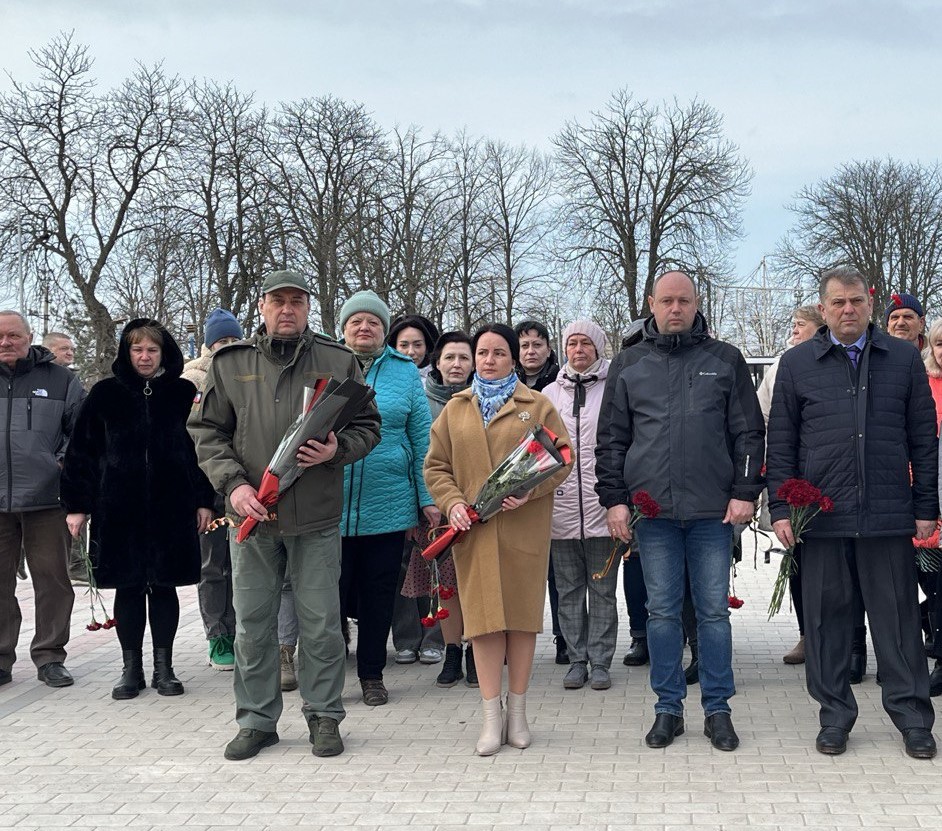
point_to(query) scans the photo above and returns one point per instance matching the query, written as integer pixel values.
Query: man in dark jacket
(37, 414)
(254, 390)
(853, 415)
(681, 421)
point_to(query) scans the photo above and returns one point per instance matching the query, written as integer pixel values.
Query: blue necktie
(853, 352)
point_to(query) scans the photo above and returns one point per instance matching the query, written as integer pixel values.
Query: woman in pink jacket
(581, 543)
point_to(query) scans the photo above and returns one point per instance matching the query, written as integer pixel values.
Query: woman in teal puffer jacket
(383, 493)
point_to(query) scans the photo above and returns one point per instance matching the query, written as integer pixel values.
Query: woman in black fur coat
(131, 466)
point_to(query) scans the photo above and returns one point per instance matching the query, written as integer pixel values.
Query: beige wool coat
(501, 565)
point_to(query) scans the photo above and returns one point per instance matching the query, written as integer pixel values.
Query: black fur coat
(132, 466)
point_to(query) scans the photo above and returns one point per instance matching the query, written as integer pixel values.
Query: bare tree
(881, 216)
(418, 219)
(471, 293)
(326, 155)
(519, 180)
(74, 165)
(645, 187)
(223, 196)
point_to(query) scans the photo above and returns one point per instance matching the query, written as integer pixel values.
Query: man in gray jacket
(253, 392)
(37, 413)
(680, 420)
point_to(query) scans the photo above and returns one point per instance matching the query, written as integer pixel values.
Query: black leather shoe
(935, 680)
(832, 741)
(55, 674)
(718, 728)
(919, 743)
(858, 666)
(5, 676)
(666, 728)
(637, 654)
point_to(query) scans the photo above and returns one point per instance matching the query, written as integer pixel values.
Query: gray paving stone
(76, 759)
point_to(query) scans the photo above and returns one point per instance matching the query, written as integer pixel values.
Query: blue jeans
(669, 549)
(636, 596)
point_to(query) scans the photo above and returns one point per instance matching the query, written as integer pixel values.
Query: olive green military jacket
(254, 390)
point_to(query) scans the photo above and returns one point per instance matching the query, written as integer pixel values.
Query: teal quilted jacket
(384, 491)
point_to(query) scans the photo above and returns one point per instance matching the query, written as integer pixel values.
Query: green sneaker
(221, 653)
(325, 736)
(247, 744)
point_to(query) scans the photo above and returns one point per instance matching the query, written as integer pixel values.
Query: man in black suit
(852, 414)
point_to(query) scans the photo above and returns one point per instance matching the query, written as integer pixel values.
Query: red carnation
(798, 493)
(805, 502)
(803, 495)
(897, 300)
(648, 507)
(786, 488)
(94, 626)
(873, 291)
(642, 505)
(735, 602)
(441, 614)
(534, 447)
(428, 622)
(446, 593)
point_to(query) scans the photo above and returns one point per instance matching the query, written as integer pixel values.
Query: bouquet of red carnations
(329, 405)
(531, 462)
(805, 502)
(642, 505)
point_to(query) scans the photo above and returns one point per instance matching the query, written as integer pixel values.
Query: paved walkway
(76, 759)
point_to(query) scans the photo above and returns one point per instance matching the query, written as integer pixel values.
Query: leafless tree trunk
(326, 154)
(472, 241)
(74, 165)
(519, 181)
(225, 195)
(646, 187)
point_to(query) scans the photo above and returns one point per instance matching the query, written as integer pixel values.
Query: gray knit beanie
(365, 301)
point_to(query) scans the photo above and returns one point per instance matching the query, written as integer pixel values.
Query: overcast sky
(804, 85)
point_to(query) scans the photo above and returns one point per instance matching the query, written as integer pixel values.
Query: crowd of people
(146, 464)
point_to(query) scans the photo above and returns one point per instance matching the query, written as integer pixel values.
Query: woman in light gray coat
(581, 544)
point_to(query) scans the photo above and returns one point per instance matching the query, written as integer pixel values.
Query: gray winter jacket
(680, 420)
(38, 406)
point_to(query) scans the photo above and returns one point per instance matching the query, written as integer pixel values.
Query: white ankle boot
(492, 728)
(518, 733)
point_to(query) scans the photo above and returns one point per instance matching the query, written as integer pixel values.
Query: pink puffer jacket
(577, 513)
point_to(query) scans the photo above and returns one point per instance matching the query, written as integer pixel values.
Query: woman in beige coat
(501, 565)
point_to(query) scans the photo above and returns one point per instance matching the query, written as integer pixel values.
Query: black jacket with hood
(680, 419)
(132, 466)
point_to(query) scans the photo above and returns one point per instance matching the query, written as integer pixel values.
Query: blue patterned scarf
(492, 395)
